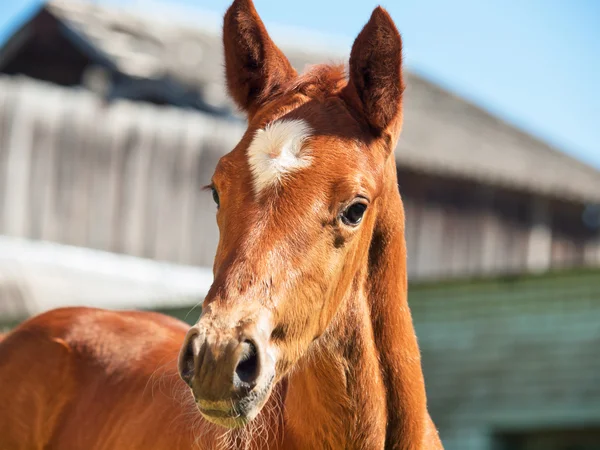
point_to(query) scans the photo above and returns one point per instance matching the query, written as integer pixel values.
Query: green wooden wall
(510, 355)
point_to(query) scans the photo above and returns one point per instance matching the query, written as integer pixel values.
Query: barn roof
(443, 134)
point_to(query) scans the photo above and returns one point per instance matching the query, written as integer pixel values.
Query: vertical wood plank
(136, 176)
(188, 171)
(97, 220)
(18, 164)
(122, 130)
(49, 150)
(7, 105)
(167, 188)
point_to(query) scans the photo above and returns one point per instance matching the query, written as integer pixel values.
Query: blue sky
(535, 63)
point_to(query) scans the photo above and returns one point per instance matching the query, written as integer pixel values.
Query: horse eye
(215, 196)
(353, 214)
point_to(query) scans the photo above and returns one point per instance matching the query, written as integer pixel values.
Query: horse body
(79, 378)
(305, 339)
(85, 378)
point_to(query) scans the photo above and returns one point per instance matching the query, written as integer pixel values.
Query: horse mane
(320, 81)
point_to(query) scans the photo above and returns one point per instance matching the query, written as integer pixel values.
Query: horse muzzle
(229, 371)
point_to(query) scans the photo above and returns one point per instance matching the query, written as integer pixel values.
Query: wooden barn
(111, 121)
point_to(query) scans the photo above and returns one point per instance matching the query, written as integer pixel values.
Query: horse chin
(242, 412)
(227, 422)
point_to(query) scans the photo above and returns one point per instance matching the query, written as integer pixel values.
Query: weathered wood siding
(126, 178)
(458, 228)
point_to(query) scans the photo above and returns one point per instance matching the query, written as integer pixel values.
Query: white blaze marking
(277, 150)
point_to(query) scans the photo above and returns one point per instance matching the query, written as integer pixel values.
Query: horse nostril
(187, 364)
(248, 368)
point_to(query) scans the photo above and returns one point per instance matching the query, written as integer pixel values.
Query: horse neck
(336, 395)
(362, 385)
(393, 329)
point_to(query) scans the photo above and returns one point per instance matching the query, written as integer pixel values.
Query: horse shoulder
(35, 385)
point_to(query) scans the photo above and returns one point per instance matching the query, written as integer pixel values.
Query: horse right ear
(255, 68)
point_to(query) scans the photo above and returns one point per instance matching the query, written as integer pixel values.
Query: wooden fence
(123, 177)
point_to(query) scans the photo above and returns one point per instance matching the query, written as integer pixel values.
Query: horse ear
(375, 83)
(255, 68)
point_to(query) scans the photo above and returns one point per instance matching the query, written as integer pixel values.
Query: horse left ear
(375, 86)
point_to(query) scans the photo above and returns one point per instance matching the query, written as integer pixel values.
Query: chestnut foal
(306, 339)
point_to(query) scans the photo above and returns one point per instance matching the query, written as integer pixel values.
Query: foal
(305, 339)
